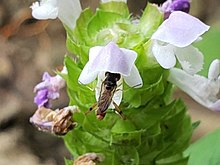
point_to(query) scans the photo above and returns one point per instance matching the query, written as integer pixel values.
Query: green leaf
(150, 20)
(206, 150)
(116, 7)
(79, 94)
(80, 33)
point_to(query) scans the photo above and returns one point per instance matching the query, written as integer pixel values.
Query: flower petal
(180, 29)
(113, 59)
(45, 10)
(166, 6)
(164, 54)
(41, 98)
(190, 58)
(45, 82)
(64, 70)
(69, 11)
(134, 79)
(216, 106)
(46, 76)
(198, 87)
(87, 76)
(117, 97)
(94, 52)
(214, 70)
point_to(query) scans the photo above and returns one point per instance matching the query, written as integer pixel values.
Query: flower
(174, 5)
(173, 40)
(48, 89)
(205, 91)
(67, 11)
(111, 58)
(41, 99)
(57, 122)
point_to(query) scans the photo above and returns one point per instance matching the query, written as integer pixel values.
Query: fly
(108, 89)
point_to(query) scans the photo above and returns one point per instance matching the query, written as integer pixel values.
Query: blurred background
(29, 47)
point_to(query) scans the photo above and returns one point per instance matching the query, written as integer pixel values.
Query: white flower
(173, 40)
(205, 91)
(111, 58)
(105, 1)
(67, 11)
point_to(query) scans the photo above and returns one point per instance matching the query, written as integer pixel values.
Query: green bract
(157, 129)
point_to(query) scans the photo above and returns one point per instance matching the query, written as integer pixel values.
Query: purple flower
(111, 58)
(41, 98)
(48, 89)
(175, 5)
(173, 40)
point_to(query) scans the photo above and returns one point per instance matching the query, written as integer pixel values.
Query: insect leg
(91, 108)
(119, 111)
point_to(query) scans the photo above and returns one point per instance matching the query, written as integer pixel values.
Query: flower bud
(175, 5)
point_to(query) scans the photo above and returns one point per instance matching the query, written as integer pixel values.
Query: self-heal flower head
(48, 89)
(175, 5)
(111, 58)
(205, 91)
(173, 40)
(67, 11)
